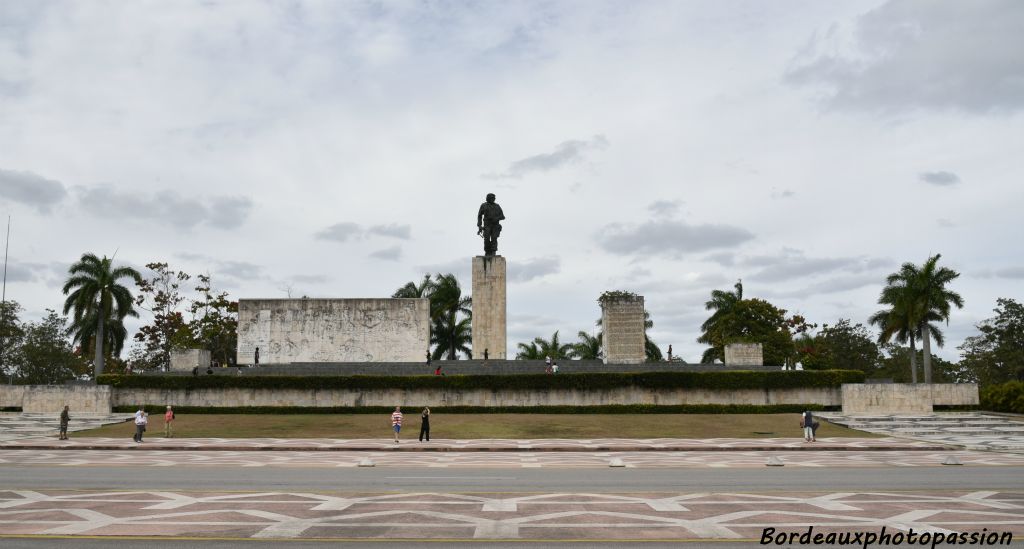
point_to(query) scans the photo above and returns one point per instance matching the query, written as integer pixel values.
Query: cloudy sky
(340, 149)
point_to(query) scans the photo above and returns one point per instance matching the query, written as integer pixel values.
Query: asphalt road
(513, 480)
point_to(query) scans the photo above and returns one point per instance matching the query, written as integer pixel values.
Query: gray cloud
(669, 237)
(790, 263)
(340, 232)
(224, 212)
(460, 267)
(1005, 272)
(31, 189)
(567, 152)
(345, 231)
(945, 223)
(388, 254)
(939, 179)
(832, 285)
(393, 230)
(240, 270)
(666, 208)
(783, 194)
(916, 54)
(524, 271)
(311, 279)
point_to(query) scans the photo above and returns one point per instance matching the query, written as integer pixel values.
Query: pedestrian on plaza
(65, 418)
(396, 422)
(554, 367)
(195, 371)
(437, 372)
(486, 354)
(168, 420)
(141, 419)
(547, 365)
(428, 357)
(425, 424)
(807, 422)
(256, 357)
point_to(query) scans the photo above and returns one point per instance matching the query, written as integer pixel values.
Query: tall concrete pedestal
(489, 307)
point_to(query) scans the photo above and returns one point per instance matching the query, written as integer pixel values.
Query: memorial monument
(489, 279)
(332, 330)
(622, 319)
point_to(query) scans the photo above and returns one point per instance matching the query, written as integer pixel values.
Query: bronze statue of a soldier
(487, 223)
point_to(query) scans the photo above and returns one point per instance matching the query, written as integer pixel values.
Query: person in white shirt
(141, 419)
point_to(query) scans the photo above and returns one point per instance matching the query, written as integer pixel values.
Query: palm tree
(447, 304)
(97, 297)
(413, 290)
(452, 339)
(935, 300)
(897, 322)
(917, 298)
(722, 303)
(553, 348)
(528, 352)
(588, 347)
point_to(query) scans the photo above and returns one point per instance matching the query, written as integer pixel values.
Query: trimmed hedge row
(602, 409)
(1005, 397)
(596, 381)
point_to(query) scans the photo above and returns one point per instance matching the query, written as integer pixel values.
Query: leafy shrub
(1005, 397)
(591, 381)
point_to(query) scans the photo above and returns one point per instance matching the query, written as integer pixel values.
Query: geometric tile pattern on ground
(469, 445)
(18, 426)
(516, 460)
(283, 515)
(972, 430)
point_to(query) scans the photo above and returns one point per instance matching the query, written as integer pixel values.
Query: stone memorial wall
(333, 330)
(744, 354)
(622, 321)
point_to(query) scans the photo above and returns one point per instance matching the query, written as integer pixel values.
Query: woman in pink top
(168, 419)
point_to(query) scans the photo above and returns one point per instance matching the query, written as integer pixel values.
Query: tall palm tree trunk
(98, 363)
(926, 348)
(913, 361)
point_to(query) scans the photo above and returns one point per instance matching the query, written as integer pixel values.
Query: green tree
(722, 302)
(751, 321)
(936, 300)
(413, 290)
(161, 296)
(918, 297)
(451, 312)
(898, 322)
(896, 360)
(528, 351)
(996, 355)
(11, 333)
(215, 321)
(45, 356)
(588, 347)
(843, 346)
(97, 298)
(553, 347)
(451, 340)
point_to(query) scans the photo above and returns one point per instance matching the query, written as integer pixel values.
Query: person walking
(396, 422)
(65, 418)
(140, 424)
(807, 422)
(425, 424)
(168, 420)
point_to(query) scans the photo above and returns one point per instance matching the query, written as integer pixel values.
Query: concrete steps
(974, 430)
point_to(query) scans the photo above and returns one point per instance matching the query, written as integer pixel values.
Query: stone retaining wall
(906, 397)
(53, 398)
(438, 397)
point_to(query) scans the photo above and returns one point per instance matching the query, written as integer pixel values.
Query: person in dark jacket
(65, 418)
(425, 424)
(807, 422)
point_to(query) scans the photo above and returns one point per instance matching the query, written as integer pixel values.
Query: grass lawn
(464, 426)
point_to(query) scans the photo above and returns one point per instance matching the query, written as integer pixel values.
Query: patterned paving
(646, 459)
(481, 445)
(20, 426)
(276, 515)
(971, 430)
